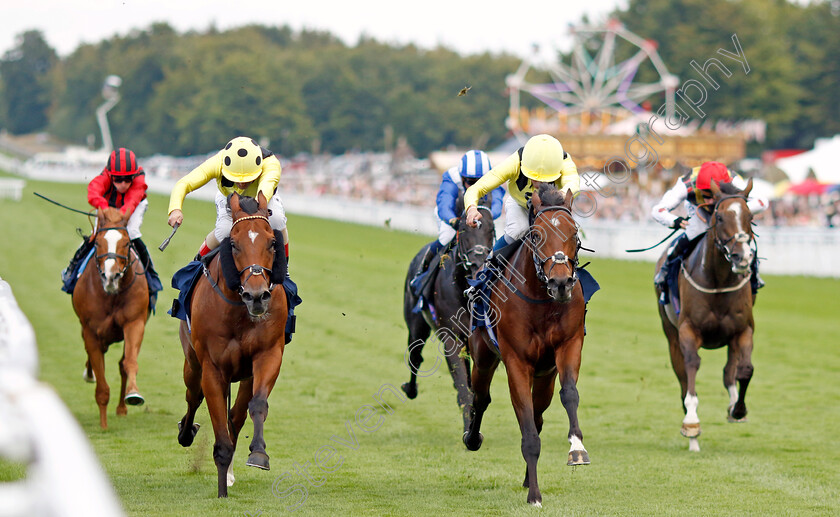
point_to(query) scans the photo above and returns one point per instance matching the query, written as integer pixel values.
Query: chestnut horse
(451, 320)
(236, 334)
(540, 311)
(111, 299)
(717, 304)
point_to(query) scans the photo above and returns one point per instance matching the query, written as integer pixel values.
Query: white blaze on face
(691, 403)
(113, 238)
(252, 235)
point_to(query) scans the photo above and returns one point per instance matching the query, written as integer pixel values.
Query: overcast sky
(465, 26)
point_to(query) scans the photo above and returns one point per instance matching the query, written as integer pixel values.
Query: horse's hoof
(258, 459)
(186, 439)
(690, 430)
(134, 399)
(410, 391)
(90, 379)
(578, 458)
(731, 418)
(475, 444)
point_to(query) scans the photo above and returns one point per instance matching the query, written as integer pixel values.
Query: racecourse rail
(806, 251)
(63, 477)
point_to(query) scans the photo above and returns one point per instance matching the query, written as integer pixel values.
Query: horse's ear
(261, 201)
(536, 202)
(233, 202)
(568, 197)
(746, 191)
(715, 189)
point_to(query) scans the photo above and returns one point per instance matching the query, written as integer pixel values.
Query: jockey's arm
(675, 196)
(135, 194)
(197, 178)
(447, 197)
(495, 177)
(755, 202)
(569, 177)
(96, 191)
(270, 176)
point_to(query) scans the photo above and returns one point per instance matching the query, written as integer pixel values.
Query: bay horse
(237, 333)
(540, 311)
(451, 320)
(111, 300)
(716, 306)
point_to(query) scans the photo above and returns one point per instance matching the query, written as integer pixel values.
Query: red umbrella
(809, 186)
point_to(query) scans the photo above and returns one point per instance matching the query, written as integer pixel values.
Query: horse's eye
(719, 217)
(272, 244)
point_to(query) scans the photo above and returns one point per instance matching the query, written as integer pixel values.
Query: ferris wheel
(594, 90)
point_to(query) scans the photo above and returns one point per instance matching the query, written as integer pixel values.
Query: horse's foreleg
(484, 366)
(133, 338)
(689, 343)
(567, 359)
(266, 369)
(187, 428)
(542, 395)
(520, 379)
(96, 358)
(743, 372)
(122, 409)
(418, 332)
(216, 389)
(458, 371)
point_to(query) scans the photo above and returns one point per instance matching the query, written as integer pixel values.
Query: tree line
(185, 93)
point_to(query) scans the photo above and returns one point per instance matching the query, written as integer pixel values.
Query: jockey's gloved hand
(454, 222)
(678, 222)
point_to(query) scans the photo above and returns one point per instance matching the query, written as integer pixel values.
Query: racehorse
(717, 302)
(450, 321)
(236, 334)
(111, 299)
(540, 311)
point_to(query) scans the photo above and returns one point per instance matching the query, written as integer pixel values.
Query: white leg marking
(230, 478)
(691, 403)
(733, 394)
(694, 445)
(252, 235)
(577, 445)
(538, 505)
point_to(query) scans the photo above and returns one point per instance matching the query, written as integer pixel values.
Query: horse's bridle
(739, 237)
(254, 269)
(558, 257)
(128, 260)
(463, 256)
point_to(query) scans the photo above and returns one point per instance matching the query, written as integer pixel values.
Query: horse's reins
(253, 269)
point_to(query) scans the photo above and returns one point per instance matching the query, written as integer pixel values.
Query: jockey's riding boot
(431, 253)
(420, 277)
(80, 254)
(756, 282)
(678, 248)
(151, 275)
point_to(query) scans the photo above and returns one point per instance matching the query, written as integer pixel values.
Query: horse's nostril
(265, 296)
(247, 297)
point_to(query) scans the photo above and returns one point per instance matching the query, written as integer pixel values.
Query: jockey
(692, 190)
(455, 182)
(542, 160)
(122, 184)
(242, 167)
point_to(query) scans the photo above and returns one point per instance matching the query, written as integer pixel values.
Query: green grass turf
(350, 341)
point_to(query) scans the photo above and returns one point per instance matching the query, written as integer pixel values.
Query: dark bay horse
(236, 334)
(451, 320)
(111, 299)
(540, 311)
(717, 304)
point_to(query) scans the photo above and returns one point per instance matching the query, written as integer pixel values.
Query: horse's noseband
(108, 255)
(255, 269)
(558, 257)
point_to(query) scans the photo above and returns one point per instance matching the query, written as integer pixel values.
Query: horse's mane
(550, 196)
(730, 189)
(249, 205)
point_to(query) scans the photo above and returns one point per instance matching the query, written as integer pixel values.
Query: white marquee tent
(823, 159)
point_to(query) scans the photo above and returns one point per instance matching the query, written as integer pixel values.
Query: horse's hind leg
(237, 416)
(738, 367)
(485, 363)
(216, 390)
(418, 332)
(458, 370)
(187, 428)
(96, 358)
(266, 367)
